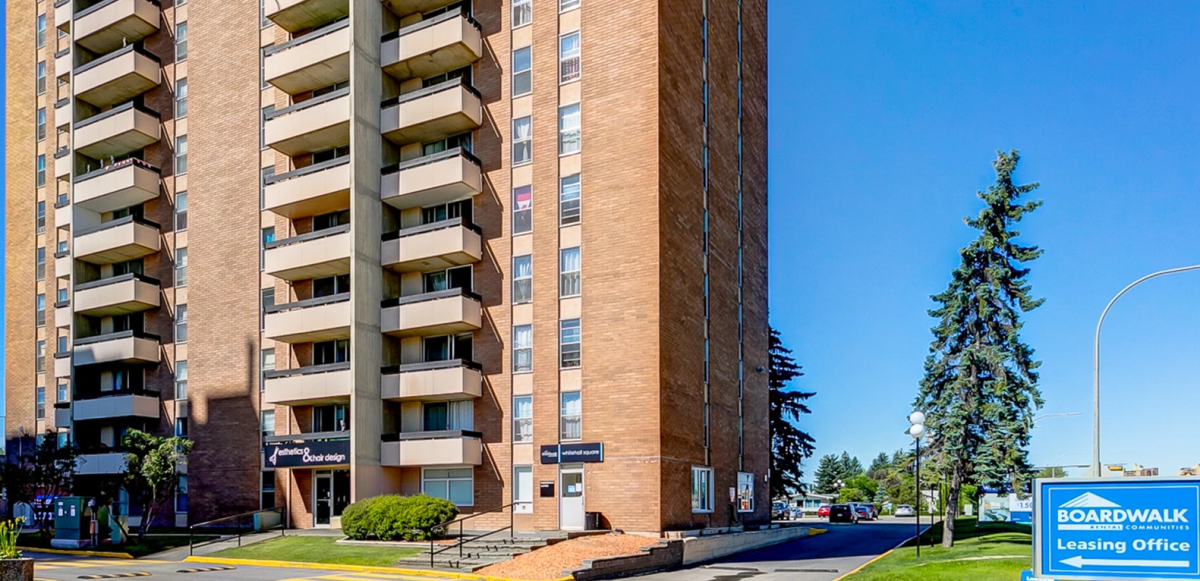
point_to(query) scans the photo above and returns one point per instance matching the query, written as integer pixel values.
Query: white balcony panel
(433, 452)
(109, 25)
(93, 464)
(309, 388)
(317, 59)
(432, 180)
(410, 382)
(427, 48)
(117, 406)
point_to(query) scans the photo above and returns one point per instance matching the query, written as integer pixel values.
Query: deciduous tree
(151, 472)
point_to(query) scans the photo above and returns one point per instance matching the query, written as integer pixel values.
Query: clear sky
(885, 116)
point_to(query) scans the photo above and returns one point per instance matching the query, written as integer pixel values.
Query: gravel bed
(550, 562)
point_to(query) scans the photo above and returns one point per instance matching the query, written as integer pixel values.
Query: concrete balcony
(62, 414)
(433, 246)
(62, 365)
(117, 77)
(309, 191)
(436, 313)
(120, 130)
(310, 320)
(406, 7)
(316, 59)
(316, 254)
(62, 264)
(63, 162)
(444, 109)
(429, 47)
(314, 385)
(105, 463)
(62, 111)
(106, 26)
(293, 15)
(63, 62)
(63, 315)
(62, 14)
(122, 347)
(118, 240)
(116, 404)
(119, 295)
(440, 178)
(316, 124)
(432, 381)
(120, 185)
(447, 448)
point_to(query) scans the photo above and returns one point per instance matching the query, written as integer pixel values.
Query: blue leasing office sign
(1117, 528)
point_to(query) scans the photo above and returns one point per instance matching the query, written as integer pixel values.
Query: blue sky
(885, 116)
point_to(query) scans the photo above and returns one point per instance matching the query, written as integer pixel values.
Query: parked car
(797, 513)
(780, 511)
(864, 512)
(874, 509)
(905, 510)
(823, 511)
(843, 513)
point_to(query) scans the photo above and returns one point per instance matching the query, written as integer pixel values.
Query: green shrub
(393, 517)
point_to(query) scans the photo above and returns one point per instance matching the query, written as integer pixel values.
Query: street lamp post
(916, 430)
(1095, 469)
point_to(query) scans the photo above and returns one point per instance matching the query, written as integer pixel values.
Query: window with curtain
(40, 401)
(569, 267)
(570, 344)
(568, 200)
(572, 416)
(522, 12)
(522, 141)
(702, 494)
(522, 279)
(522, 430)
(522, 348)
(181, 211)
(181, 267)
(181, 41)
(569, 135)
(181, 98)
(522, 210)
(181, 324)
(568, 57)
(181, 154)
(181, 380)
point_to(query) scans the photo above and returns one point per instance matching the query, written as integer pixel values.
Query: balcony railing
(118, 295)
(316, 319)
(118, 131)
(316, 59)
(444, 109)
(312, 385)
(445, 42)
(312, 255)
(316, 189)
(443, 244)
(442, 312)
(90, 396)
(120, 347)
(123, 184)
(432, 381)
(311, 125)
(133, 71)
(439, 178)
(111, 24)
(118, 240)
(434, 448)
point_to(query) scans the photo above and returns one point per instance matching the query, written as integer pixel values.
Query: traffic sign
(1117, 528)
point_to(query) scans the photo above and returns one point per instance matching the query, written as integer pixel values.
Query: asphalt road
(824, 557)
(63, 568)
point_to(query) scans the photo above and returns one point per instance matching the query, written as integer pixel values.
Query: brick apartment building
(495, 251)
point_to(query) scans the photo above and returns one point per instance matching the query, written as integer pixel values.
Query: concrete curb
(352, 568)
(76, 553)
(886, 553)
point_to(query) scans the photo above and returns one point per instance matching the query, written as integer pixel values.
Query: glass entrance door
(322, 498)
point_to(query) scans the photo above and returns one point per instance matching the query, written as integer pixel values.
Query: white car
(904, 510)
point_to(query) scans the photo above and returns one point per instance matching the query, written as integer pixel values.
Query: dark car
(843, 513)
(864, 512)
(872, 512)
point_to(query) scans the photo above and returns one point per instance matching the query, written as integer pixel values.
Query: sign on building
(307, 454)
(567, 453)
(1106, 529)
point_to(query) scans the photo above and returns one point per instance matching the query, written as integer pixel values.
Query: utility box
(72, 521)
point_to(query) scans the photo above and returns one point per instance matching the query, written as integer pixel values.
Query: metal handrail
(461, 540)
(118, 335)
(429, 366)
(238, 517)
(119, 222)
(431, 296)
(307, 237)
(115, 55)
(317, 33)
(130, 106)
(316, 167)
(338, 94)
(423, 24)
(89, 396)
(431, 90)
(304, 304)
(309, 370)
(430, 435)
(431, 227)
(431, 158)
(117, 279)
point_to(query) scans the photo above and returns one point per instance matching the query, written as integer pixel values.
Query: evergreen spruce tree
(848, 467)
(790, 445)
(828, 473)
(879, 467)
(980, 389)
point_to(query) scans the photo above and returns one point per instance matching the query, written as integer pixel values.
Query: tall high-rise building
(493, 251)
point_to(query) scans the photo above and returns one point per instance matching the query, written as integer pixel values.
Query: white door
(570, 498)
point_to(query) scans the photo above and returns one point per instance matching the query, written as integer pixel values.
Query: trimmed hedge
(393, 517)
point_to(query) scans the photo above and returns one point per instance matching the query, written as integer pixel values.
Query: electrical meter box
(72, 518)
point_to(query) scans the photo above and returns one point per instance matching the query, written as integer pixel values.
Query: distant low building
(1119, 470)
(1193, 471)
(811, 501)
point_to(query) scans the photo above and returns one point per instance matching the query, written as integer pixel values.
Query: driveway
(65, 568)
(823, 557)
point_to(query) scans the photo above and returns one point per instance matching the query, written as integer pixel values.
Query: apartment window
(570, 344)
(41, 357)
(268, 236)
(522, 419)
(180, 41)
(41, 30)
(181, 267)
(523, 489)
(568, 130)
(181, 324)
(522, 348)
(181, 211)
(268, 360)
(568, 57)
(522, 278)
(181, 427)
(452, 142)
(568, 200)
(522, 12)
(62, 392)
(263, 22)
(181, 495)
(62, 344)
(181, 98)
(181, 154)
(268, 301)
(327, 352)
(330, 154)
(442, 212)
(331, 418)
(454, 484)
(572, 416)
(522, 210)
(569, 268)
(458, 277)
(331, 220)
(40, 401)
(41, 310)
(41, 176)
(181, 380)
(268, 489)
(454, 415)
(522, 80)
(41, 77)
(702, 490)
(262, 127)
(41, 210)
(41, 263)
(262, 67)
(41, 123)
(522, 146)
(268, 423)
(333, 285)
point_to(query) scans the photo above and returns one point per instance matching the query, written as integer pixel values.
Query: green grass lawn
(1006, 550)
(319, 550)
